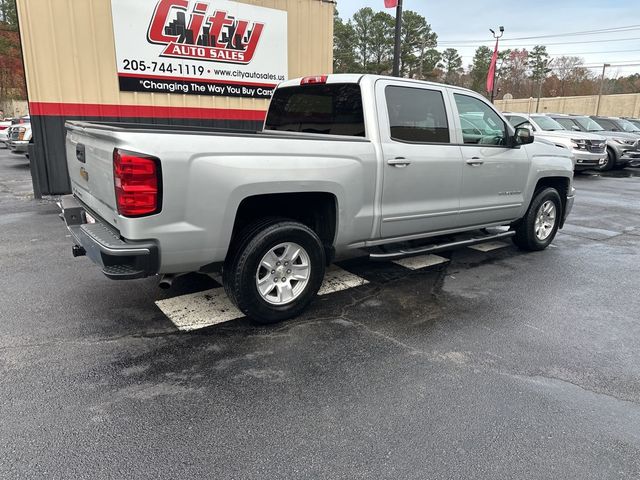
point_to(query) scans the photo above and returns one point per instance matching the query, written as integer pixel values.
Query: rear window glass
(333, 109)
(417, 115)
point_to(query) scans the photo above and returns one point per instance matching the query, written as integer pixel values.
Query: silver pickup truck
(344, 162)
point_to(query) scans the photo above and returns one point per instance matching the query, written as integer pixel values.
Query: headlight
(579, 144)
(625, 141)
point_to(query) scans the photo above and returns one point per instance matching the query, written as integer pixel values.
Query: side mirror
(523, 136)
(575, 128)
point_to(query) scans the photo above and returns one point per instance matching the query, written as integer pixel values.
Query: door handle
(475, 162)
(399, 162)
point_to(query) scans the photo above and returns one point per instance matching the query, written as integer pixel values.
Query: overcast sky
(460, 23)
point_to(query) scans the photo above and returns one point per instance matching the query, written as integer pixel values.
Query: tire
(621, 166)
(611, 161)
(258, 245)
(526, 237)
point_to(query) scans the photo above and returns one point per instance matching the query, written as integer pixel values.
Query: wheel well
(561, 184)
(316, 210)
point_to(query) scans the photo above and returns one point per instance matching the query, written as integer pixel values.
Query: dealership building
(199, 63)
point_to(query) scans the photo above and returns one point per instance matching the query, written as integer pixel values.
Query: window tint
(333, 109)
(489, 127)
(417, 115)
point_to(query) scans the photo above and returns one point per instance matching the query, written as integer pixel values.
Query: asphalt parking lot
(481, 364)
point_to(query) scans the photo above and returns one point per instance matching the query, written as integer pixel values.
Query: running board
(439, 247)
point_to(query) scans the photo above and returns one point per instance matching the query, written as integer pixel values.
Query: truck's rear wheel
(275, 271)
(540, 224)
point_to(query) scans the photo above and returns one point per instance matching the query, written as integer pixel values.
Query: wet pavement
(495, 364)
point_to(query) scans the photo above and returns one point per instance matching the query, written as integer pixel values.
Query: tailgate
(90, 163)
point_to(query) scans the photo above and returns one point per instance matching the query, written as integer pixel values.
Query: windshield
(627, 126)
(589, 124)
(567, 123)
(548, 124)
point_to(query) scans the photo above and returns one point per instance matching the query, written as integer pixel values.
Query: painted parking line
(212, 307)
(421, 261)
(489, 246)
(199, 310)
(336, 280)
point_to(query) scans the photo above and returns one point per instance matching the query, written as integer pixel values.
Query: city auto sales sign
(199, 47)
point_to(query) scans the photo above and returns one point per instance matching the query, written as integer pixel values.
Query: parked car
(616, 124)
(20, 136)
(4, 127)
(588, 150)
(344, 162)
(623, 148)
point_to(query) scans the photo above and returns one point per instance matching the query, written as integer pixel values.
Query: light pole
(495, 59)
(397, 51)
(541, 80)
(604, 68)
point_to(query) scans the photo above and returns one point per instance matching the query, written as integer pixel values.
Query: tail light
(2, 128)
(138, 181)
(313, 80)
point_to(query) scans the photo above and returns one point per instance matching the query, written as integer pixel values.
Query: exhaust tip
(165, 282)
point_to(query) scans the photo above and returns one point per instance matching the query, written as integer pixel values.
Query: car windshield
(589, 124)
(627, 126)
(567, 123)
(548, 124)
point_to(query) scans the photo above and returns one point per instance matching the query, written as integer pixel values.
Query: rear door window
(330, 109)
(417, 115)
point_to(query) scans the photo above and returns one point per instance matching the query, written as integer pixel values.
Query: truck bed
(206, 174)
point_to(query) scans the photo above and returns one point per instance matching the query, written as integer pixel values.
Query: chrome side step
(439, 247)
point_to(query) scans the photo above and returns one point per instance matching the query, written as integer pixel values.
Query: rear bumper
(119, 259)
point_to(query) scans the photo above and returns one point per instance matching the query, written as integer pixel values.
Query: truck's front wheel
(540, 224)
(275, 270)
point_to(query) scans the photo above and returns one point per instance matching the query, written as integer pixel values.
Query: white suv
(588, 150)
(19, 137)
